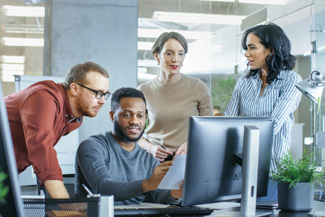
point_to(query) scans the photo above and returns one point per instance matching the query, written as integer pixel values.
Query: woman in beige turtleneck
(172, 98)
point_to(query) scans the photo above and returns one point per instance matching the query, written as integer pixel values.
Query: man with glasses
(44, 112)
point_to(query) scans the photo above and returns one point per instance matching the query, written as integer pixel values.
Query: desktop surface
(317, 211)
(222, 209)
(170, 211)
(161, 211)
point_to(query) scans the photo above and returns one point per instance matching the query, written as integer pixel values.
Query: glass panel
(21, 40)
(318, 63)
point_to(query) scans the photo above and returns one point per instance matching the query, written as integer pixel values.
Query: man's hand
(156, 177)
(177, 193)
(56, 189)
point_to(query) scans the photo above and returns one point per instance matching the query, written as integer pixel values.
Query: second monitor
(213, 165)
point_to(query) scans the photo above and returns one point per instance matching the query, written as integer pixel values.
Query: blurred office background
(46, 38)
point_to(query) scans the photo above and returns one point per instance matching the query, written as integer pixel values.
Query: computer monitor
(213, 164)
(13, 204)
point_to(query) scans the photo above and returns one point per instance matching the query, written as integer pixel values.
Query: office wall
(103, 31)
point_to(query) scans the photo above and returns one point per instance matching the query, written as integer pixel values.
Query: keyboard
(167, 211)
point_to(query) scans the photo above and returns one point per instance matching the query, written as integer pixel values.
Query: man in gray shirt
(114, 164)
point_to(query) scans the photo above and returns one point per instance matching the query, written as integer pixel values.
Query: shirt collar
(68, 110)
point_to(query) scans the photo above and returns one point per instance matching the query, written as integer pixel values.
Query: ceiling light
(216, 0)
(142, 70)
(23, 11)
(265, 2)
(23, 28)
(142, 45)
(143, 77)
(148, 63)
(26, 42)
(33, 2)
(12, 67)
(262, 2)
(197, 18)
(155, 33)
(12, 59)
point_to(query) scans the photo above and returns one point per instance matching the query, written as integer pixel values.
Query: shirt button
(66, 115)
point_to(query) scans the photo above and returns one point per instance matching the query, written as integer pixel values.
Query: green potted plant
(296, 179)
(3, 189)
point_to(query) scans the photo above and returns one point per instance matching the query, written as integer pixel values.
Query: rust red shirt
(38, 117)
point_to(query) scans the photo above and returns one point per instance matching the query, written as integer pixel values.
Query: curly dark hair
(125, 92)
(273, 37)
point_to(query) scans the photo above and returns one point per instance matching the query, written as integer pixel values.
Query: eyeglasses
(98, 94)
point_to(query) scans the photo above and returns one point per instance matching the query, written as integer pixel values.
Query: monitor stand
(250, 169)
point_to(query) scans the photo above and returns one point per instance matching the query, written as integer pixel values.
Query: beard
(122, 135)
(85, 110)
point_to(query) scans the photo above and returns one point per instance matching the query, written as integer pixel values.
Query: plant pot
(297, 198)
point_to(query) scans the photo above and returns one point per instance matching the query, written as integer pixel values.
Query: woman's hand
(162, 152)
(156, 150)
(182, 149)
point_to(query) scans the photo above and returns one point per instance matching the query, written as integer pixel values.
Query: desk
(318, 206)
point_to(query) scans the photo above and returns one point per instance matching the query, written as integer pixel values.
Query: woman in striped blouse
(268, 88)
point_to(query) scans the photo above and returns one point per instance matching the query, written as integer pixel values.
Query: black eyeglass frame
(98, 94)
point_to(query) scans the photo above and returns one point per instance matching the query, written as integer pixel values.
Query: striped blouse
(279, 100)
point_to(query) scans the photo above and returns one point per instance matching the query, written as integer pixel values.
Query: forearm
(121, 190)
(148, 186)
(56, 189)
(287, 103)
(283, 110)
(101, 183)
(176, 194)
(162, 196)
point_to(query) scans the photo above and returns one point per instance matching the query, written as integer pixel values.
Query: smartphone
(169, 157)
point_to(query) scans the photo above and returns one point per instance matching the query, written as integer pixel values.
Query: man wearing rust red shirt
(44, 112)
